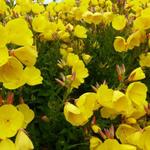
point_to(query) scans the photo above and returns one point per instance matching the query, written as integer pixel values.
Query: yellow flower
(11, 73)
(22, 141)
(18, 32)
(32, 76)
(137, 93)
(95, 128)
(7, 145)
(27, 55)
(80, 31)
(105, 96)
(123, 133)
(4, 38)
(86, 58)
(114, 145)
(74, 115)
(142, 22)
(121, 103)
(136, 38)
(11, 120)
(37, 25)
(3, 55)
(119, 22)
(145, 60)
(27, 112)
(80, 73)
(95, 143)
(136, 74)
(86, 103)
(120, 44)
(3, 7)
(37, 8)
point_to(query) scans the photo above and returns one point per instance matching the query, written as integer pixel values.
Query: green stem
(75, 145)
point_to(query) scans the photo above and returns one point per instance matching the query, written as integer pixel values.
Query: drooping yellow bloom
(80, 31)
(119, 22)
(11, 120)
(27, 55)
(27, 112)
(19, 32)
(145, 60)
(7, 145)
(3, 55)
(32, 75)
(22, 141)
(120, 44)
(74, 115)
(136, 74)
(137, 92)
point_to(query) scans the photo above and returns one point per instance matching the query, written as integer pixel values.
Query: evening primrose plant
(76, 44)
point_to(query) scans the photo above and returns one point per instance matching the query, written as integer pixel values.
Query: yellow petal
(7, 145)
(120, 44)
(22, 141)
(136, 74)
(119, 22)
(33, 76)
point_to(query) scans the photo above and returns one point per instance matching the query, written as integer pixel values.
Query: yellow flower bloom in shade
(86, 103)
(137, 92)
(86, 58)
(74, 115)
(33, 76)
(120, 44)
(136, 74)
(3, 55)
(105, 96)
(27, 112)
(112, 144)
(119, 22)
(87, 16)
(37, 8)
(18, 32)
(7, 145)
(95, 143)
(136, 38)
(4, 38)
(11, 120)
(80, 31)
(145, 59)
(22, 141)
(27, 55)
